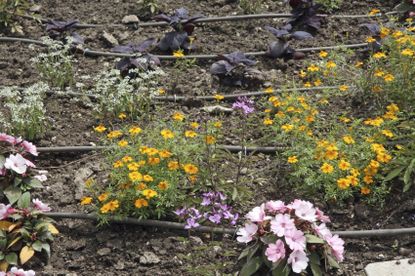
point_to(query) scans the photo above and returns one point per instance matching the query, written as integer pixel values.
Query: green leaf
(251, 266)
(332, 262)
(37, 246)
(281, 269)
(2, 161)
(13, 194)
(35, 183)
(407, 176)
(24, 201)
(234, 194)
(1, 256)
(315, 264)
(253, 251)
(269, 239)
(313, 239)
(394, 173)
(46, 247)
(11, 258)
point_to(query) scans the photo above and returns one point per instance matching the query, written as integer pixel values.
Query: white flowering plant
(14, 271)
(288, 238)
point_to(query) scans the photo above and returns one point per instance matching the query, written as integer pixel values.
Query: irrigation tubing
(223, 230)
(230, 148)
(88, 52)
(220, 19)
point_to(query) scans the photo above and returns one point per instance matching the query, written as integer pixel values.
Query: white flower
(5, 211)
(246, 234)
(257, 214)
(41, 206)
(298, 260)
(16, 163)
(304, 210)
(20, 272)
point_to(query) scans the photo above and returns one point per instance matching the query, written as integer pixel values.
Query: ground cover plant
(10, 10)
(180, 148)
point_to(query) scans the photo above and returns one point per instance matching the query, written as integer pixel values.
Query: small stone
(130, 19)
(217, 109)
(404, 251)
(119, 265)
(35, 8)
(81, 176)
(149, 258)
(217, 249)
(196, 240)
(104, 251)
(110, 39)
(244, 171)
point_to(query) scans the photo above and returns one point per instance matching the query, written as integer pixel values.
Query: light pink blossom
(322, 231)
(304, 210)
(337, 247)
(257, 214)
(295, 239)
(275, 252)
(20, 272)
(246, 234)
(29, 147)
(43, 207)
(16, 163)
(7, 138)
(321, 216)
(275, 206)
(298, 260)
(281, 224)
(5, 211)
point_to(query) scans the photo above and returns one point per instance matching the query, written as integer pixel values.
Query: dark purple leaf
(238, 58)
(221, 67)
(287, 27)
(300, 35)
(142, 47)
(161, 17)
(277, 49)
(60, 26)
(77, 39)
(373, 28)
(173, 41)
(182, 13)
(279, 33)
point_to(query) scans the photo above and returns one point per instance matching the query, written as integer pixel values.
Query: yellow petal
(25, 254)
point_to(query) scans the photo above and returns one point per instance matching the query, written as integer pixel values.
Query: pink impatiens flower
(29, 147)
(14, 271)
(321, 216)
(274, 206)
(275, 252)
(304, 210)
(41, 206)
(281, 224)
(16, 163)
(295, 239)
(337, 247)
(257, 214)
(7, 138)
(5, 211)
(298, 260)
(246, 234)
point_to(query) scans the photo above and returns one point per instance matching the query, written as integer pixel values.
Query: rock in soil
(149, 258)
(130, 19)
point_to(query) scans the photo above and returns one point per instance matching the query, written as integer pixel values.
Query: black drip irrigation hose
(220, 19)
(223, 230)
(92, 53)
(230, 148)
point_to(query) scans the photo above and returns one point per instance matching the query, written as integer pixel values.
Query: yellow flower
(310, 119)
(331, 154)
(383, 157)
(379, 55)
(194, 125)
(268, 110)
(313, 68)
(370, 39)
(190, 169)
(378, 148)
(122, 116)
(368, 179)
(376, 89)
(267, 121)
(86, 200)
(122, 143)
(348, 139)
(167, 134)
(134, 130)
(384, 32)
(218, 97)
(110, 206)
(192, 178)
(327, 168)
(379, 73)
(163, 185)
(344, 165)
(190, 134)
(127, 159)
(178, 54)
(389, 78)
(303, 74)
(153, 160)
(374, 122)
(307, 85)
(358, 64)
(147, 178)
(374, 12)
(399, 147)
(162, 91)
(407, 52)
(269, 90)
(134, 166)
(330, 64)
(141, 186)
(103, 197)
(100, 128)
(114, 134)
(135, 176)
(343, 88)
(317, 82)
(287, 127)
(354, 172)
(345, 120)
(292, 159)
(392, 108)
(149, 193)
(323, 54)
(178, 116)
(210, 139)
(397, 34)
(118, 164)
(139, 203)
(387, 133)
(173, 165)
(343, 183)
(354, 181)
(217, 124)
(165, 154)
(365, 191)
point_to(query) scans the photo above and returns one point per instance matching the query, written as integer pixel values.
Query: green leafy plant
(23, 112)
(251, 6)
(330, 5)
(148, 8)
(9, 10)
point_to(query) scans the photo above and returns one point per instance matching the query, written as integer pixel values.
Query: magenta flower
(246, 234)
(257, 214)
(20, 272)
(3, 171)
(298, 260)
(29, 147)
(41, 206)
(16, 163)
(304, 210)
(5, 211)
(337, 247)
(275, 252)
(275, 206)
(295, 239)
(281, 224)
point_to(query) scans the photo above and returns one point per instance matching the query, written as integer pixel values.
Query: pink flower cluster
(289, 224)
(14, 271)
(16, 162)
